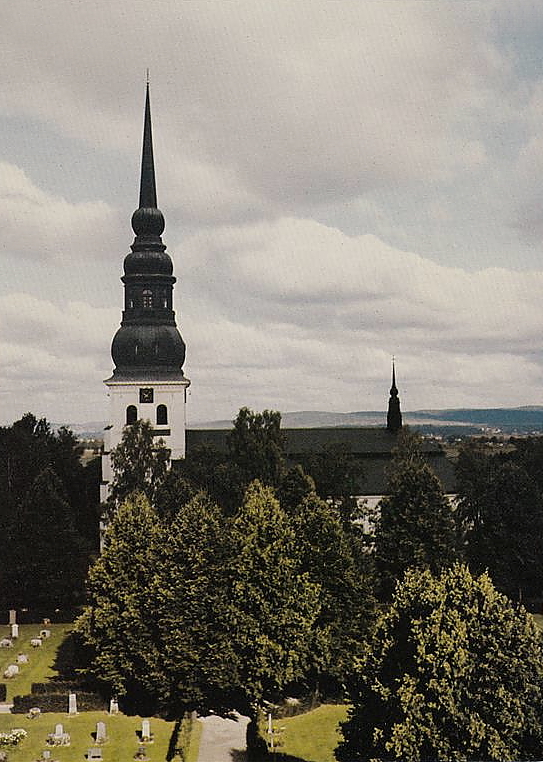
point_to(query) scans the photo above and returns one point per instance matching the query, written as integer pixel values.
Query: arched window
(161, 415)
(131, 414)
(147, 299)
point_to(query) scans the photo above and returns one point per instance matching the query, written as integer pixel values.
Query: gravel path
(223, 739)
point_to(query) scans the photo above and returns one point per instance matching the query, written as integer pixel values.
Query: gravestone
(22, 659)
(11, 671)
(35, 642)
(45, 633)
(72, 703)
(12, 616)
(94, 753)
(113, 706)
(46, 754)
(145, 730)
(101, 732)
(5, 643)
(14, 631)
(59, 730)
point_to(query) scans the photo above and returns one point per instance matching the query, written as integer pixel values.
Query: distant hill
(452, 422)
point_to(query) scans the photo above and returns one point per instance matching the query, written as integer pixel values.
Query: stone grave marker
(72, 703)
(101, 732)
(145, 730)
(11, 671)
(59, 730)
(114, 706)
(95, 753)
(14, 631)
(46, 754)
(5, 643)
(35, 642)
(12, 616)
(22, 659)
(45, 633)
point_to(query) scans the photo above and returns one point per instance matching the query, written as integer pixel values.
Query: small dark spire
(148, 219)
(394, 415)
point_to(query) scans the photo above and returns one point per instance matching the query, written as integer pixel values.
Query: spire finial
(147, 219)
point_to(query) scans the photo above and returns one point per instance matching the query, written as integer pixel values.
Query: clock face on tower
(146, 395)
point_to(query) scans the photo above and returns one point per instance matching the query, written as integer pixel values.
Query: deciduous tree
(453, 671)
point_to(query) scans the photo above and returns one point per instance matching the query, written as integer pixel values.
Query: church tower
(394, 415)
(147, 350)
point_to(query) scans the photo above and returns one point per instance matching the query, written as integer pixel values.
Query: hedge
(54, 686)
(58, 702)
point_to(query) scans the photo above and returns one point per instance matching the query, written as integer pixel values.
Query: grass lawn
(312, 737)
(40, 660)
(121, 745)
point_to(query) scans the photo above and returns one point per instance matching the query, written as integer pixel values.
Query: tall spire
(394, 415)
(147, 183)
(147, 220)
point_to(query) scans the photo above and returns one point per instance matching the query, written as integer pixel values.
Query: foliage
(275, 605)
(12, 737)
(58, 702)
(139, 463)
(415, 526)
(452, 671)
(188, 599)
(45, 556)
(116, 622)
(501, 514)
(346, 603)
(256, 445)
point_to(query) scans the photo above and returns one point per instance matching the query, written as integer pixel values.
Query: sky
(342, 182)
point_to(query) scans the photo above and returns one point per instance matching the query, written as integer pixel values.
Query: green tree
(139, 463)
(275, 605)
(346, 602)
(453, 671)
(501, 510)
(117, 622)
(256, 446)
(191, 610)
(45, 557)
(415, 526)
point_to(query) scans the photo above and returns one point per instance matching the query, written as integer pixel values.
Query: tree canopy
(453, 671)
(415, 526)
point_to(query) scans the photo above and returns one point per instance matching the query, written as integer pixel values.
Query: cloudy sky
(341, 182)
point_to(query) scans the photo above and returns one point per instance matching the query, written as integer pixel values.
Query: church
(148, 353)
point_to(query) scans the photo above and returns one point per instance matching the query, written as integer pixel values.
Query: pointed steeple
(394, 415)
(147, 182)
(147, 220)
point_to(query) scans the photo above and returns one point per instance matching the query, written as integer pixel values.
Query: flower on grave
(12, 737)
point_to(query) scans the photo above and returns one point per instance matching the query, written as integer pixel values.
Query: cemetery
(74, 734)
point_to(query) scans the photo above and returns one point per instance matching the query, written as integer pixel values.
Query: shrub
(57, 702)
(3, 691)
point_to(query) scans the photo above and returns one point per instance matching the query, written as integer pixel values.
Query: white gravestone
(45, 633)
(12, 616)
(22, 659)
(145, 730)
(101, 732)
(46, 754)
(95, 753)
(35, 642)
(11, 671)
(59, 730)
(113, 706)
(14, 631)
(72, 703)
(5, 643)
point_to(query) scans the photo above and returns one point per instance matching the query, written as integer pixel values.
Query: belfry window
(131, 414)
(147, 299)
(161, 415)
